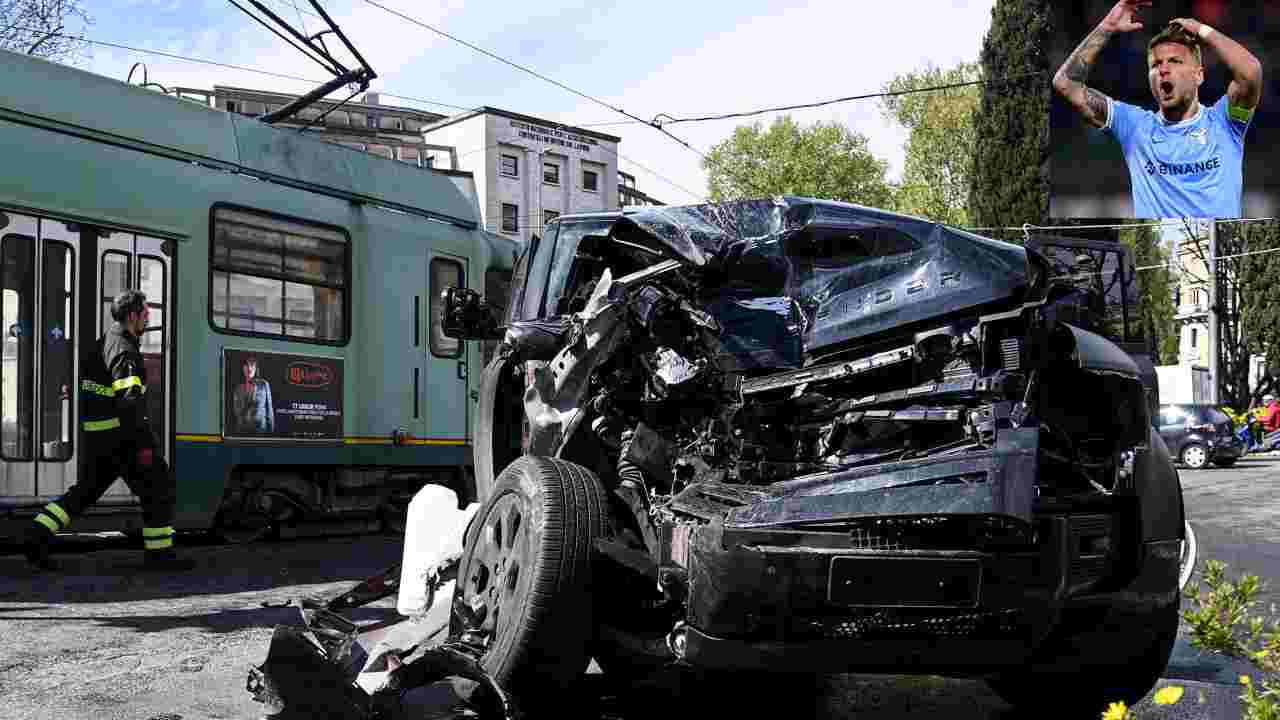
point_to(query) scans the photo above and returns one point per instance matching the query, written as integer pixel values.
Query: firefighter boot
(166, 560)
(35, 545)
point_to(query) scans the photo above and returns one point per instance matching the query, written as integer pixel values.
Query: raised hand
(1188, 24)
(1121, 19)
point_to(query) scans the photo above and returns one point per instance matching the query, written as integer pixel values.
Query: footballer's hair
(1177, 35)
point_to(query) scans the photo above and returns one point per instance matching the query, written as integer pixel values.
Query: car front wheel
(1118, 661)
(1195, 456)
(524, 581)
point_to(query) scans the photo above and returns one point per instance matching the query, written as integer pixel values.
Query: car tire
(526, 574)
(1194, 456)
(1136, 649)
(1225, 462)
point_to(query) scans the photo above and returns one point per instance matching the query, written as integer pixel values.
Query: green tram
(298, 375)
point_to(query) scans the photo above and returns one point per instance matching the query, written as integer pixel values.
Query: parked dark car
(804, 436)
(1199, 434)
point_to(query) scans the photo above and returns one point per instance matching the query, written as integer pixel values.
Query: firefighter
(117, 442)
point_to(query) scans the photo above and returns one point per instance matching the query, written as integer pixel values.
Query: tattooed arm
(1069, 80)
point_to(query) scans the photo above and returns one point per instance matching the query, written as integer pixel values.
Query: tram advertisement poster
(278, 396)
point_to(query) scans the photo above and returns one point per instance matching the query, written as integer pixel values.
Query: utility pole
(1215, 349)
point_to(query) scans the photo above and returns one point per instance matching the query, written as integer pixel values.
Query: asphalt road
(101, 640)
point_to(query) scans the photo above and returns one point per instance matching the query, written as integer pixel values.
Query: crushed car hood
(792, 277)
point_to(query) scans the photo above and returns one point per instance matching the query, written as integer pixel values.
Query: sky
(660, 56)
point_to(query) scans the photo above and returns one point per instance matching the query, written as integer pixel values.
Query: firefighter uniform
(117, 431)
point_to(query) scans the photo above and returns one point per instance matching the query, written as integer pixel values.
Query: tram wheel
(245, 528)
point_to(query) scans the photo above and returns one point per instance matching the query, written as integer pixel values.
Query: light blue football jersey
(1193, 168)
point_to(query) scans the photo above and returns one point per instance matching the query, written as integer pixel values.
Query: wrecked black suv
(807, 436)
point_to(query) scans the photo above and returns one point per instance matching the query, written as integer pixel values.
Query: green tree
(939, 153)
(1010, 183)
(43, 28)
(824, 160)
(1156, 306)
(1247, 308)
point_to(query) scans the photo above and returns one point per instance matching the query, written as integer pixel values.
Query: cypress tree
(1010, 184)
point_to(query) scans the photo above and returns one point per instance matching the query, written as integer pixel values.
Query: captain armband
(1239, 113)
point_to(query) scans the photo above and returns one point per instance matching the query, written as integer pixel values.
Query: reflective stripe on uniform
(128, 382)
(95, 425)
(56, 510)
(48, 522)
(97, 389)
(157, 538)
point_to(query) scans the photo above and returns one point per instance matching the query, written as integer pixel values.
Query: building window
(1194, 339)
(549, 216)
(510, 166)
(590, 181)
(278, 278)
(233, 106)
(409, 155)
(510, 218)
(551, 173)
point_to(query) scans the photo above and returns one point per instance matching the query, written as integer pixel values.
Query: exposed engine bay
(806, 352)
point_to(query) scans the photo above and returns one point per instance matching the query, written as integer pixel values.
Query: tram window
(151, 281)
(57, 366)
(17, 307)
(115, 280)
(444, 273)
(278, 277)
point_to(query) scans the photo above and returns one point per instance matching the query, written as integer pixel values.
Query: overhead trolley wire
(865, 96)
(669, 120)
(534, 73)
(1151, 223)
(229, 66)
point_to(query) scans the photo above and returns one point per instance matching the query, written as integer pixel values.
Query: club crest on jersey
(1199, 135)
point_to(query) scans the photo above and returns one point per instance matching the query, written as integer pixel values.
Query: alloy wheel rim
(499, 560)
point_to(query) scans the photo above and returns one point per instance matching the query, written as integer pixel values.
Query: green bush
(1221, 620)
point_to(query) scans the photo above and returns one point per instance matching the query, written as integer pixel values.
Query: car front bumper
(764, 600)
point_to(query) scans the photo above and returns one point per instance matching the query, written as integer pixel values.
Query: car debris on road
(330, 668)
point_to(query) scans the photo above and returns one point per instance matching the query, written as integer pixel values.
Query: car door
(1173, 426)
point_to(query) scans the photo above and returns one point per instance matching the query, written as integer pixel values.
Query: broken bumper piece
(806, 601)
(321, 670)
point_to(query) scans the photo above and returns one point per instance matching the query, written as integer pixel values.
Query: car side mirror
(468, 317)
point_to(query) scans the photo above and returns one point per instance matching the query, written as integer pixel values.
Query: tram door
(127, 260)
(444, 395)
(38, 308)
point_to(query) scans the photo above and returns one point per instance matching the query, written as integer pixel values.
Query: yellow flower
(1168, 695)
(1244, 679)
(1115, 711)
